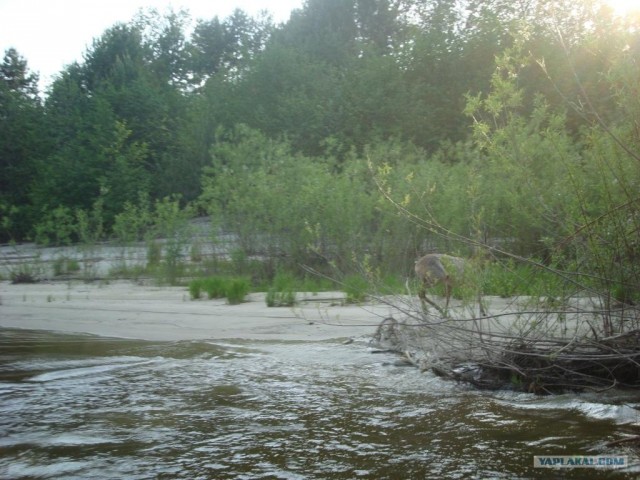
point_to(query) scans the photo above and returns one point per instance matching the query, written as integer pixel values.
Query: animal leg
(447, 291)
(482, 310)
(424, 300)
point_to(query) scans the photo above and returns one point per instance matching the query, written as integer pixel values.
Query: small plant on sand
(237, 289)
(281, 293)
(65, 265)
(195, 289)
(355, 287)
(171, 223)
(216, 287)
(26, 273)
(316, 284)
(154, 253)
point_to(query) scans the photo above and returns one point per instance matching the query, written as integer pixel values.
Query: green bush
(500, 279)
(216, 287)
(316, 284)
(64, 266)
(23, 277)
(356, 288)
(195, 288)
(276, 298)
(26, 273)
(506, 279)
(281, 293)
(236, 290)
(393, 284)
(154, 253)
(57, 227)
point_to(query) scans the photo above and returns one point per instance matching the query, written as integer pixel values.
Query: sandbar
(128, 309)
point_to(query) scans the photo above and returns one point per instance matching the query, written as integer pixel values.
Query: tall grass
(282, 292)
(507, 279)
(235, 289)
(356, 288)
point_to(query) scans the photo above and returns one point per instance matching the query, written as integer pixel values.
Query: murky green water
(86, 407)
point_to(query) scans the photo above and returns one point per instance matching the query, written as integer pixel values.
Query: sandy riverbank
(125, 309)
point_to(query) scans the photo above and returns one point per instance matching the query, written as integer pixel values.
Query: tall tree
(165, 44)
(136, 79)
(227, 47)
(22, 142)
(81, 126)
(325, 30)
(379, 24)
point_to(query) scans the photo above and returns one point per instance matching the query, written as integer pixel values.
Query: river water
(78, 406)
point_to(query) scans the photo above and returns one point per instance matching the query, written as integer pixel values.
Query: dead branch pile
(552, 366)
(521, 348)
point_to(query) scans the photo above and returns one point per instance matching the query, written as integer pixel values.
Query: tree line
(349, 129)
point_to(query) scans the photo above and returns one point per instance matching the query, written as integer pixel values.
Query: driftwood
(620, 441)
(526, 349)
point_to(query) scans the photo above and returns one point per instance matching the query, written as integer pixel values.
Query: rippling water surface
(75, 406)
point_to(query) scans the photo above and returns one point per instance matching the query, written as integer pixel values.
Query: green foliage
(226, 47)
(356, 288)
(263, 193)
(392, 284)
(315, 284)
(125, 180)
(57, 227)
(235, 289)
(282, 293)
(295, 209)
(501, 280)
(82, 128)
(23, 144)
(134, 222)
(26, 273)
(154, 253)
(89, 226)
(239, 260)
(171, 224)
(195, 289)
(626, 294)
(65, 265)
(508, 278)
(23, 276)
(62, 226)
(195, 253)
(215, 287)
(343, 134)
(275, 298)
(125, 270)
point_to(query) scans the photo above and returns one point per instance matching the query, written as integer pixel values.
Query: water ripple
(83, 407)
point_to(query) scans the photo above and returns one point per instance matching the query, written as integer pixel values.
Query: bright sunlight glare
(624, 7)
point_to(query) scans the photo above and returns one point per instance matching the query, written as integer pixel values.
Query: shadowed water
(74, 406)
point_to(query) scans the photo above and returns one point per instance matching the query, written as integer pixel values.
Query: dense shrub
(281, 293)
(235, 289)
(356, 288)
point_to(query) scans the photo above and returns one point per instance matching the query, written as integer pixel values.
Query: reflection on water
(85, 407)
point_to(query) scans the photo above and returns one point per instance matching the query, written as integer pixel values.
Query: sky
(51, 34)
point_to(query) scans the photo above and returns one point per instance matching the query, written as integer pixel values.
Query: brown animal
(436, 268)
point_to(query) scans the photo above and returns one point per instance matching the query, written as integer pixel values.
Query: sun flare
(624, 7)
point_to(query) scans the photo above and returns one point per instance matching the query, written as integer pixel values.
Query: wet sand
(128, 310)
